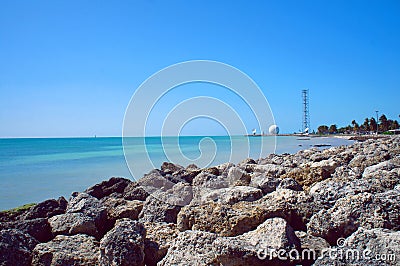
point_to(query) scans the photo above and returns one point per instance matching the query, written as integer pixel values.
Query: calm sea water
(32, 170)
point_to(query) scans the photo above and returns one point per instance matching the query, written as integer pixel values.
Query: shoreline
(310, 199)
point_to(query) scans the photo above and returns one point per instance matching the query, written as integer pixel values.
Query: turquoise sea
(32, 170)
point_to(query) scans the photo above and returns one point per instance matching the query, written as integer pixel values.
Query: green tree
(355, 125)
(366, 124)
(323, 130)
(372, 124)
(384, 125)
(394, 125)
(333, 129)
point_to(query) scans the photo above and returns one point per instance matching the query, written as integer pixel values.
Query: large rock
(105, 188)
(381, 210)
(210, 181)
(327, 192)
(135, 192)
(47, 209)
(16, 247)
(155, 182)
(205, 183)
(39, 228)
(369, 158)
(204, 248)
(180, 194)
(290, 183)
(90, 207)
(258, 247)
(381, 169)
(233, 195)
(366, 247)
(238, 177)
(224, 168)
(72, 224)
(191, 248)
(270, 170)
(67, 250)
(231, 220)
(124, 244)
(118, 208)
(159, 237)
(266, 183)
(312, 247)
(167, 167)
(155, 210)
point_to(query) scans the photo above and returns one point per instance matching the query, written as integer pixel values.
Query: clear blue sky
(69, 68)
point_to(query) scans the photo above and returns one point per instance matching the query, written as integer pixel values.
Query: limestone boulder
(67, 250)
(124, 244)
(16, 247)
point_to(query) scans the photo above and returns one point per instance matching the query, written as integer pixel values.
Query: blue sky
(69, 68)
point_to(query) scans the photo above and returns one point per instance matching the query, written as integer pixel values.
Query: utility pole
(306, 111)
(377, 122)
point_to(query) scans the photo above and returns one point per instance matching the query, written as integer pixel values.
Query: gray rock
(369, 158)
(204, 248)
(105, 188)
(180, 194)
(312, 247)
(39, 228)
(289, 183)
(191, 248)
(270, 170)
(206, 180)
(233, 195)
(135, 192)
(327, 166)
(296, 207)
(381, 169)
(381, 210)
(257, 247)
(247, 161)
(205, 183)
(90, 207)
(265, 183)
(327, 192)
(154, 182)
(16, 247)
(155, 210)
(366, 247)
(224, 168)
(124, 244)
(118, 208)
(167, 167)
(47, 209)
(238, 177)
(67, 250)
(72, 224)
(159, 237)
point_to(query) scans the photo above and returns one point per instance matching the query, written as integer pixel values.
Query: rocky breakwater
(338, 206)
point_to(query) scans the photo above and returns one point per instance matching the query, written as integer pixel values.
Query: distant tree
(384, 125)
(323, 129)
(355, 126)
(372, 124)
(366, 124)
(394, 125)
(333, 129)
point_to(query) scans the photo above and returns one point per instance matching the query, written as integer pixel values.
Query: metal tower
(306, 110)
